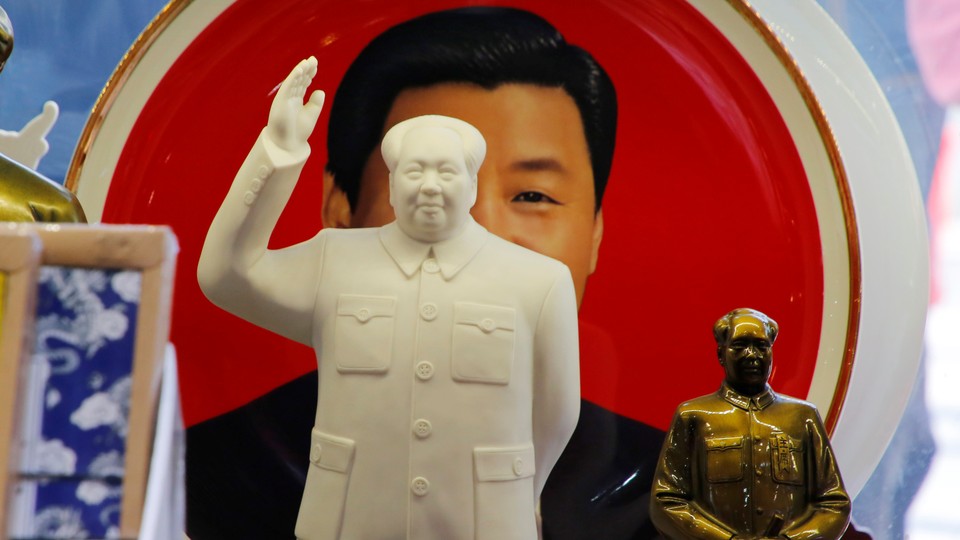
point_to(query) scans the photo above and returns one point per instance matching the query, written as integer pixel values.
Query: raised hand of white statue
(30, 144)
(291, 120)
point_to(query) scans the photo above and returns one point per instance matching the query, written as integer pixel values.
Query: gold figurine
(26, 195)
(745, 463)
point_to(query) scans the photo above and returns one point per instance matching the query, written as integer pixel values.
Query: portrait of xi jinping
(612, 170)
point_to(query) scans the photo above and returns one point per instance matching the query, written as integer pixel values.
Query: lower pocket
(325, 493)
(504, 493)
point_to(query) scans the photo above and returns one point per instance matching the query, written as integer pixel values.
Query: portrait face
(431, 190)
(748, 355)
(535, 187)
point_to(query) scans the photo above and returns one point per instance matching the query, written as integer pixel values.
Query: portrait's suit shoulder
(524, 257)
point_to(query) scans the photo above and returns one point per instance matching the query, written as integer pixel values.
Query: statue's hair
(721, 329)
(474, 146)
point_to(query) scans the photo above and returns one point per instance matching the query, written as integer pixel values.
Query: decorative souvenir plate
(757, 164)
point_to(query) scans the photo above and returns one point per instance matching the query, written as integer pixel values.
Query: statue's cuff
(281, 158)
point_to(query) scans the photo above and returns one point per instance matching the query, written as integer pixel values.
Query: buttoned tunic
(731, 463)
(448, 372)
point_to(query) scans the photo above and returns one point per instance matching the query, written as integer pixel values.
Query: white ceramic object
(448, 357)
(29, 145)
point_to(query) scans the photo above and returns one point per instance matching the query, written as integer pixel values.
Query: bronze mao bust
(744, 462)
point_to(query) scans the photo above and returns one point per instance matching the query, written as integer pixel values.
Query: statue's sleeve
(556, 392)
(274, 289)
(673, 508)
(829, 511)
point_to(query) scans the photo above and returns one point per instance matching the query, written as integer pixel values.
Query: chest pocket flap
(364, 308)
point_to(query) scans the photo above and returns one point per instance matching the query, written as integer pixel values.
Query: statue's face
(748, 355)
(431, 190)
(536, 184)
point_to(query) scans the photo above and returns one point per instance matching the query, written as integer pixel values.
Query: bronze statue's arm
(829, 511)
(673, 508)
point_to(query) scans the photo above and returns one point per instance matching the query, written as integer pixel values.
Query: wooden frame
(152, 252)
(19, 259)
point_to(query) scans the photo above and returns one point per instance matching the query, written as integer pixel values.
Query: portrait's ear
(597, 237)
(336, 211)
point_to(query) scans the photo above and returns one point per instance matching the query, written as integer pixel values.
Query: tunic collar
(452, 254)
(759, 401)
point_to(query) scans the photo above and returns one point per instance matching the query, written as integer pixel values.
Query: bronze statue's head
(745, 348)
(6, 37)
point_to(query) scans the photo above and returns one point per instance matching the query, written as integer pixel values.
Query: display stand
(87, 401)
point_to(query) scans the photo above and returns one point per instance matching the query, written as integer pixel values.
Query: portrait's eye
(448, 173)
(534, 197)
(413, 173)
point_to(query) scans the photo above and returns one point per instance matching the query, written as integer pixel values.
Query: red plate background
(707, 208)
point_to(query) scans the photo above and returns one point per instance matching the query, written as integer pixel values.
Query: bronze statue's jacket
(733, 464)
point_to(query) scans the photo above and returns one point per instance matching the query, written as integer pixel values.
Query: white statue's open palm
(291, 120)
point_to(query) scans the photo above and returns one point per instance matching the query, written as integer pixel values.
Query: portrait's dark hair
(721, 329)
(480, 45)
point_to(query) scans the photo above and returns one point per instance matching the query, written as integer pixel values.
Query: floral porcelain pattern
(78, 404)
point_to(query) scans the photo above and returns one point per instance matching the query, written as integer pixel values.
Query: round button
(759, 471)
(428, 311)
(424, 370)
(420, 486)
(249, 197)
(363, 315)
(263, 172)
(488, 325)
(759, 510)
(518, 466)
(316, 452)
(422, 428)
(256, 185)
(431, 266)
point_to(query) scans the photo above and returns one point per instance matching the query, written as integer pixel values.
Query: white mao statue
(448, 357)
